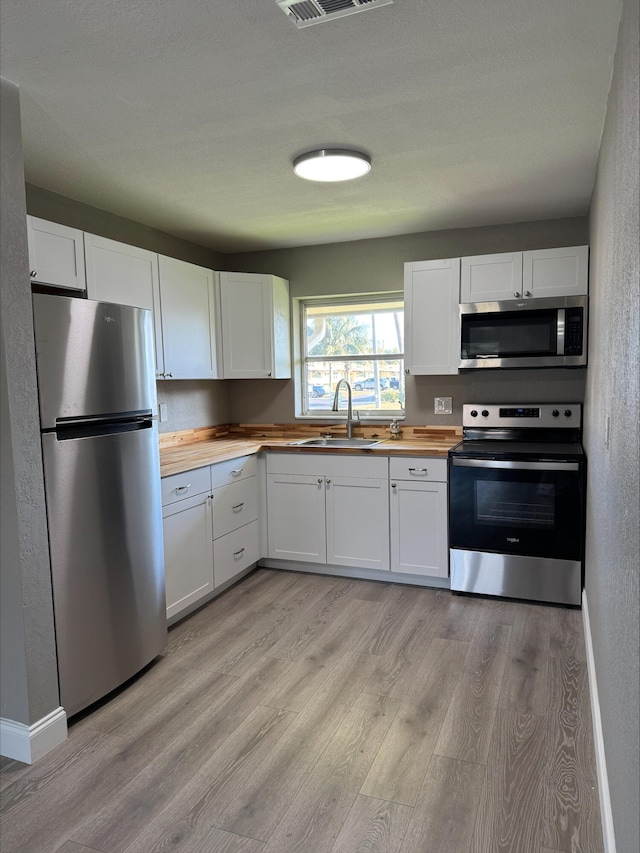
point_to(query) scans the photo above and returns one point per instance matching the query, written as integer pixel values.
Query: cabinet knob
(528, 293)
(268, 374)
(517, 294)
(34, 273)
(170, 375)
(328, 481)
(320, 481)
(394, 485)
(407, 371)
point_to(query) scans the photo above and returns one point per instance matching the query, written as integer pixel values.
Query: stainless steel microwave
(524, 333)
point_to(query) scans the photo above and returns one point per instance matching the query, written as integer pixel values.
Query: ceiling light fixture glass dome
(332, 164)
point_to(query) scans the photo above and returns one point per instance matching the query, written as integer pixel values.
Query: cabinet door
(432, 320)
(358, 522)
(188, 320)
(56, 254)
(246, 312)
(296, 517)
(491, 278)
(188, 552)
(418, 513)
(127, 275)
(556, 272)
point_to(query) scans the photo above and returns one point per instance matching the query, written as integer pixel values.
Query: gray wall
(367, 266)
(613, 537)
(190, 404)
(28, 675)
(196, 403)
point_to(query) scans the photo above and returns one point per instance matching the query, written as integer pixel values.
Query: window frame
(302, 359)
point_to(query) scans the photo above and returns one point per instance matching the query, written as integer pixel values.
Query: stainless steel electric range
(517, 502)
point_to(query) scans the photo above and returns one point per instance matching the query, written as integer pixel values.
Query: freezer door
(93, 358)
(105, 531)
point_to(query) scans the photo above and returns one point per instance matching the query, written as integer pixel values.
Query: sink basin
(337, 442)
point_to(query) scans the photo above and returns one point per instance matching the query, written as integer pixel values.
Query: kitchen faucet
(336, 401)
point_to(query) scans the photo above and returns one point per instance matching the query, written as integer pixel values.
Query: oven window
(509, 334)
(519, 505)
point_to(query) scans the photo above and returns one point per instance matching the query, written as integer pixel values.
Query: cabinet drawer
(180, 486)
(234, 506)
(235, 552)
(233, 470)
(426, 469)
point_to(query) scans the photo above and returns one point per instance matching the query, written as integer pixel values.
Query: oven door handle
(514, 465)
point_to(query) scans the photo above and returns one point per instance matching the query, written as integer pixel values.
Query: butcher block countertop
(190, 449)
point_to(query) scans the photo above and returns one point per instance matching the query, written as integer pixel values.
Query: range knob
(567, 413)
(474, 413)
(485, 413)
(555, 413)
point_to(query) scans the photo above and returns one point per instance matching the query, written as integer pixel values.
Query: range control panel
(529, 415)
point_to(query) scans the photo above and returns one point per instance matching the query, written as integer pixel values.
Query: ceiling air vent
(308, 12)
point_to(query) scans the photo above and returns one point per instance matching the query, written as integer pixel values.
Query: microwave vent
(307, 12)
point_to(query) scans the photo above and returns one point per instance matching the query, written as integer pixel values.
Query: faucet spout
(336, 402)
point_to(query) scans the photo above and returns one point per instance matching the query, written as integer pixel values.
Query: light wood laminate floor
(309, 714)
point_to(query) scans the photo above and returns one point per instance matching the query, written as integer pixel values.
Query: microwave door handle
(514, 465)
(560, 331)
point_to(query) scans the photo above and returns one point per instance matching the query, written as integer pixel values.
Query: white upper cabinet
(525, 275)
(117, 272)
(187, 305)
(56, 254)
(255, 326)
(491, 278)
(432, 321)
(180, 295)
(556, 272)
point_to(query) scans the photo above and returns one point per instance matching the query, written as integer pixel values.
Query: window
(357, 339)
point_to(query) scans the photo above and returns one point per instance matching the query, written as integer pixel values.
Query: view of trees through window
(361, 341)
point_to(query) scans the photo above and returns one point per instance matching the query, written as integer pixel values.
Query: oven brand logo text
(512, 539)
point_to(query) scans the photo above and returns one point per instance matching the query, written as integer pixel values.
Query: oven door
(516, 507)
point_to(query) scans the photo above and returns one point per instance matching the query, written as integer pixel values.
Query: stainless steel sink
(337, 442)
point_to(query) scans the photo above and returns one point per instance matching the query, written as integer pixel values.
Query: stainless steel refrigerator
(96, 385)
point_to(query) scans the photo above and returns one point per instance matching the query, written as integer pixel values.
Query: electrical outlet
(164, 412)
(442, 405)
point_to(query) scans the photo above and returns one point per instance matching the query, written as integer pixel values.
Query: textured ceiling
(186, 116)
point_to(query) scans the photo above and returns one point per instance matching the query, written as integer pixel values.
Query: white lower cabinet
(418, 517)
(211, 535)
(328, 509)
(188, 552)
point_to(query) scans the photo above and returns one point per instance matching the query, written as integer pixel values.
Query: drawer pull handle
(239, 553)
(236, 472)
(419, 470)
(237, 507)
(183, 488)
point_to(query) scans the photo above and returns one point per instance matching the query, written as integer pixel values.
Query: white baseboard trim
(381, 575)
(606, 814)
(30, 743)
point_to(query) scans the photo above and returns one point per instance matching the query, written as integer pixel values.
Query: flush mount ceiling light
(332, 164)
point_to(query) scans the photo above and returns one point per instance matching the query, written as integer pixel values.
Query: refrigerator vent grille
(307, 12)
